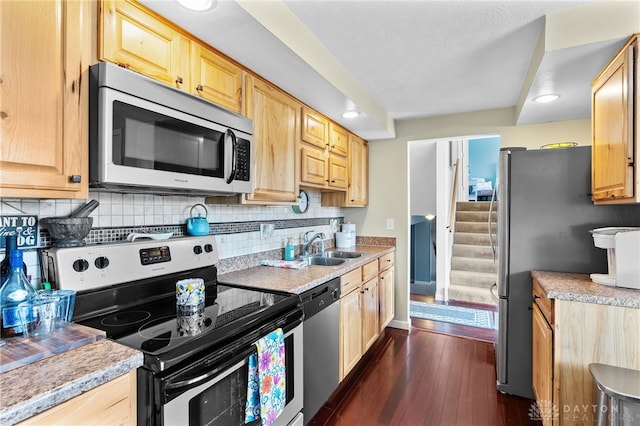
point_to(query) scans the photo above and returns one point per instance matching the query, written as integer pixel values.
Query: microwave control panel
(243, 159)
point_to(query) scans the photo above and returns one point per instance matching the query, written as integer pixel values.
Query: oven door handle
(195, 381)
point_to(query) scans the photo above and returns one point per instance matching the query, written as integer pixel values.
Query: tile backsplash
(236, 227)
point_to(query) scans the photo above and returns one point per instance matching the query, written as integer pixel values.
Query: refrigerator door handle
(489, 222)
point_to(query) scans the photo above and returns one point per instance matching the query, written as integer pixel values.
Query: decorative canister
(190, 299)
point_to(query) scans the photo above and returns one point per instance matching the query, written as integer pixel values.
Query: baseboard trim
(403, 325)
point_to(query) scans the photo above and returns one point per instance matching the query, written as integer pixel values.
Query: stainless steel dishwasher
(321, 334)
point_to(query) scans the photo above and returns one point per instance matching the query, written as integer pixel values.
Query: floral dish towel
(266, 388)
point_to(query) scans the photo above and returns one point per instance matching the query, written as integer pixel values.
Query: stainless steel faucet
(307, 246)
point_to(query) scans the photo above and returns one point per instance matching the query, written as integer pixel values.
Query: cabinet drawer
(350, 281)
(369, 270)
(544, 303)
(385, 261)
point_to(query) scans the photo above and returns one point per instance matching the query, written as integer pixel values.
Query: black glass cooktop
(155, 327)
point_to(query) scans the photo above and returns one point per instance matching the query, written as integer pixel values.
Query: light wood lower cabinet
(113, 403)
(44, 52)
(542, 361)
(366, 307)
(370, 311)
(567, 337)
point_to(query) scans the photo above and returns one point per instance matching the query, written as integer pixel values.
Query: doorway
(432, 169)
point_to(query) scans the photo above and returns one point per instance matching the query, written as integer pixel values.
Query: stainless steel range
(188, 378)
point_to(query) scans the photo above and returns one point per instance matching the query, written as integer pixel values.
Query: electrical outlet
(333, 224)
(390, 224)
(266, 230)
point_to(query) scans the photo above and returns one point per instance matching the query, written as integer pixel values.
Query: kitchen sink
(324, 261)
(343, 254)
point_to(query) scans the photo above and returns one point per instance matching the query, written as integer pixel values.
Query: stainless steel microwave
(145, 136)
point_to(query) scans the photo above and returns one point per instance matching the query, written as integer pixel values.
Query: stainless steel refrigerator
(545, 213)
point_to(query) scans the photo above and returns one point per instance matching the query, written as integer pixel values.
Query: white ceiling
(400, 60)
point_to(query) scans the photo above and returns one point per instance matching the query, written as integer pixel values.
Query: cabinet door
(276, 127)
(215, 79)
(313, 166)
(542, 359)
(386, 291)
(338, 140)
(350, 332)
(370, 313)
(135, 39)
(315, 128)
(612, 130)
(337, 172)
(43, 102)
(358, 188)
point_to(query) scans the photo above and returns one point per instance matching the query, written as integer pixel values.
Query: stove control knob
(80, 265)
(208, 248)
(101, 262)
(197, 249)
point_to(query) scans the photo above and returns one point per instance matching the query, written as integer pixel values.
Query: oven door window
(223, 403)
(146, 139)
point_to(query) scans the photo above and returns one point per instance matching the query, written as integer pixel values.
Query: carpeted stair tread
(474, 227)
(475, 205)
(472, 278)
(473, 264)
(471, 294)
(473, 238)
(469, 250)
(475, 216)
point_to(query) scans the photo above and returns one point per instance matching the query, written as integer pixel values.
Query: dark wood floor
(484, 334)
(424, 378)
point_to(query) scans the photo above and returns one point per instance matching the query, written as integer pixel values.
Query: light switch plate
(390, 224)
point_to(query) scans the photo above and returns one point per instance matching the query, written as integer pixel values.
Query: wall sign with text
(24, 226)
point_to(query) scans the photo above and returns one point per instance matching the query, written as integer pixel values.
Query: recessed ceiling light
(198, 5)
(350, 114)
(543, 99)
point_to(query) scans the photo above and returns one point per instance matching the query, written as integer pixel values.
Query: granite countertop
(300, 280)
(29, 390)
(580, 288)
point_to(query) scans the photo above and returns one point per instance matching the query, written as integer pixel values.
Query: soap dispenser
(288, 250)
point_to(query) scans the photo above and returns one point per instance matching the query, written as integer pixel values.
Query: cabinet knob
(3, 115)
(179, 80)
(75, 179)
(199, 88)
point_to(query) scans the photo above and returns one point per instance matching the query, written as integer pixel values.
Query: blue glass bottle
(16, 289)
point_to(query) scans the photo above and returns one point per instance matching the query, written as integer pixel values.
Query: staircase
(473, 270)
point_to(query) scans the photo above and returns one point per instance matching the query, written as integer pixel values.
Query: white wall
(389, 180)
(422, 185)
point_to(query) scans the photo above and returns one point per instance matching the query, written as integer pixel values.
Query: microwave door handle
(234, 148)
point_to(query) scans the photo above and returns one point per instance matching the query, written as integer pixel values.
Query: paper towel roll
(345, 239)
(349, 227)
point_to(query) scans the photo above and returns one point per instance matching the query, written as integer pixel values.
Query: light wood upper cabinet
(338, 140)
(132, 37)
(357, 194)
(315, 128)
(276, 126)
(615, 176)
(44, 98)
(215, 79)
(323, 151)
(358, 188)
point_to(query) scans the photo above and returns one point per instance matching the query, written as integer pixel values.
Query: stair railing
(454, 197)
